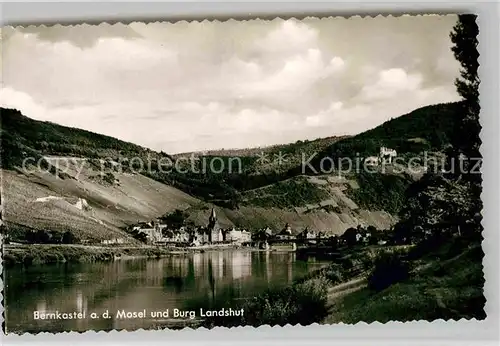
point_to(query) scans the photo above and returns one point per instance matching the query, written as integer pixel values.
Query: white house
(239, 236)
(234, 235)
(115, 241)
(307, 234)
(246, 236)
(286, 233)
(386, 154)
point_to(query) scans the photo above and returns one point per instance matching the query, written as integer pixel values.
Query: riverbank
(364, 285)
(37, 254)
(444, 284)
(304, 302)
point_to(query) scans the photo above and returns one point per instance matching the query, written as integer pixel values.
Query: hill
(24, 137)
(265, 181)
(89, 208)
(259, 193)
(428, 128)
(86, 186)
(265, 157)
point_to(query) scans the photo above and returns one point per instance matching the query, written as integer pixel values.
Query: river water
(135, 285)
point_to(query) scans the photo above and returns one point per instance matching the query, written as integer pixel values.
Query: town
(158, 233)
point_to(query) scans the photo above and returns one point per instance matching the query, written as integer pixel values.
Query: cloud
(297, 74)
(193, 86)
(10, 98)
(289, 37)
(391, 82)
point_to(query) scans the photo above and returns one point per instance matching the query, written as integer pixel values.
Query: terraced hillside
(81, 166)
(90, 208)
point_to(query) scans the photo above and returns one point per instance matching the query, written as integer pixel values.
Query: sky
(191, 86)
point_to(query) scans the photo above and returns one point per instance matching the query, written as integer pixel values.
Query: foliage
(380, 191)
(141, 236)
(447, 284)
(176, 219)
(350, 236)
(441, 206)
(69, 238)
(286, 194)
(24, 137)
(302, 303)
(33, 255)
(388, 269)
(42, 236)
(466, 138)
(432, 125)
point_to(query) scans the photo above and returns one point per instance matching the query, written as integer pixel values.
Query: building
(386, 155)
(178, 236)
(307, 234)
(115, 241)
(234, 235)
(82, 204)
(215, 232)
(239, 236)
(286, 233)
(142, 225)
(201, 236)
(246, 236)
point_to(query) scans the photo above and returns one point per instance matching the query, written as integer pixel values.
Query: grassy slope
(269, 197)
(445, 285)
(133, 198)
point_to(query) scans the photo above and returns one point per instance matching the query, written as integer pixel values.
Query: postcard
(241, 173)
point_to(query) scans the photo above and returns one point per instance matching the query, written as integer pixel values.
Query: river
(174, 282)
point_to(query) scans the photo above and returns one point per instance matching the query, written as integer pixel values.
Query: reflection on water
(139, 284)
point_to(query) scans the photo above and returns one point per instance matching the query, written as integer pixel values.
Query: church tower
(212, 220)
(214, 229)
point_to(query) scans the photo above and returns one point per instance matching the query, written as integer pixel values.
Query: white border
(393, 333)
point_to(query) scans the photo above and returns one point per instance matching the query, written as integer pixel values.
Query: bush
(303, 303)
(334, 275)
(389, 268)
(69, 238)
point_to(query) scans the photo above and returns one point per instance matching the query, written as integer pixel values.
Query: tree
(466, 138)
(141, 236)
(42, 236)
(259, 235)
(350, 236)
(68, 238)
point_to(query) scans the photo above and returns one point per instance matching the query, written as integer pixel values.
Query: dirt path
(339, 291)
(344, 288)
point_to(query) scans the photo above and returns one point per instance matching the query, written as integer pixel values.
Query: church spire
(213, 216)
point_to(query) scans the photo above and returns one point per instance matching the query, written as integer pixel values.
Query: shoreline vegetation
(400, 283)
(42, 254)
(404, 282)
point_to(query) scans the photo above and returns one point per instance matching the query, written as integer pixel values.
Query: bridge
(293, 243)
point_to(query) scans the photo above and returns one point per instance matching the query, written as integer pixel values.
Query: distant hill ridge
(23, 137)
(429, 128)
(253, 151)
(264, 193)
